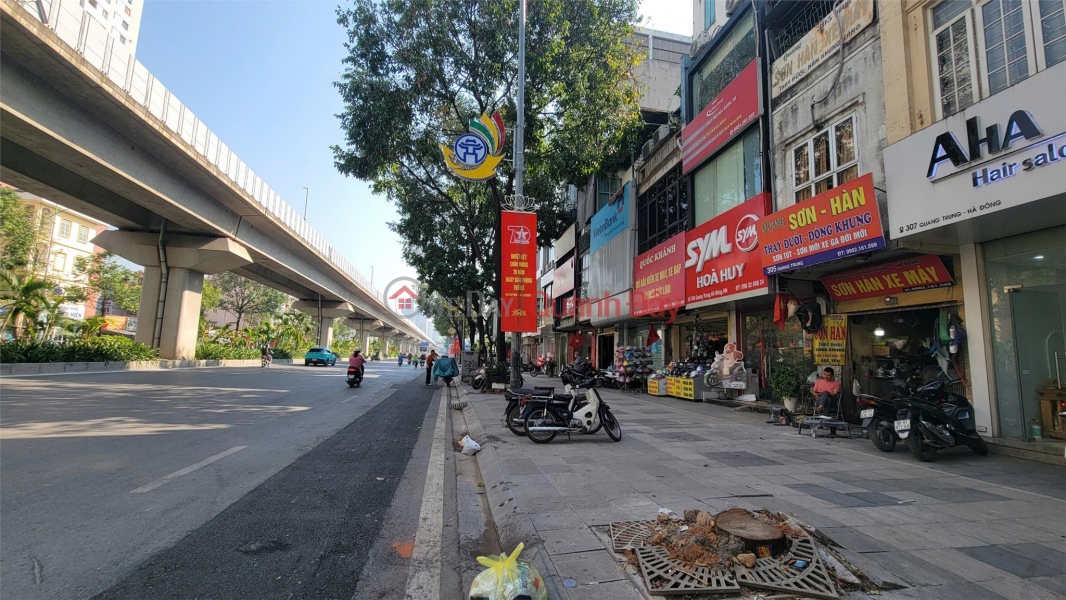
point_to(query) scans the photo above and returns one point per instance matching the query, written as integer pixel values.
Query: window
(122, 39)
(730, 57)
(662, 210)
(128, 11)
(59, 262)
(83, 234)
(93, 4)
(954, 51)
(1053, 31)
(1006, 58)
(728, 179)
(826, 160)
(125, 25)
(606, 188)
(708, 13)
(64, 228)
(105, 14)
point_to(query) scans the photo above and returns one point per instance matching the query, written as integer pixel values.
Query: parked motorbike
(533, 369)
(932, 418)
(478, 380)
(548, 417)
(574, 375)
(517, 400)
(355, 377)
(878, 416)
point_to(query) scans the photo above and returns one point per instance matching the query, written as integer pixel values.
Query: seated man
(826, 391)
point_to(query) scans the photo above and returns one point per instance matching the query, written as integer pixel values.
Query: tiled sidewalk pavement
(965, 527)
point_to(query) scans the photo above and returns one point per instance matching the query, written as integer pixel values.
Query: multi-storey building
(975, 168)
(106, 23)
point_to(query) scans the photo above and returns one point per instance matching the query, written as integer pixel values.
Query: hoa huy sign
(722, 258)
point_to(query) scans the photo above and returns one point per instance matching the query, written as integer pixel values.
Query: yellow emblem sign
(474, 155)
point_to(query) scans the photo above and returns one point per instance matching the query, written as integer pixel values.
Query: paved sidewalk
(965, 527)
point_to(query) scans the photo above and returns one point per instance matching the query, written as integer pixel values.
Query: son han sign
(1003, 152)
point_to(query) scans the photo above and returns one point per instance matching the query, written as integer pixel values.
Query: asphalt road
(210, 483)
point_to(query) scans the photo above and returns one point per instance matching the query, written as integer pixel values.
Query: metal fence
(90, 38)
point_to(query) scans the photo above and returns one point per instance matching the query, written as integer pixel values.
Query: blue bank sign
(611, 220)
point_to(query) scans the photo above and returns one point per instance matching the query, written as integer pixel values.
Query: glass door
(1038, 319)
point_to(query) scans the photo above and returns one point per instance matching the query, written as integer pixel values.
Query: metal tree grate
(459, 405)
(775, 573)
(630, 535)
(665, 575)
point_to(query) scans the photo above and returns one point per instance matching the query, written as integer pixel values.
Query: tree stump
(758, 537)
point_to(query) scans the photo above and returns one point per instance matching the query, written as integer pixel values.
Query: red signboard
(908, 275)
(722, 256)
(837, 223)
(729, 113)
(563, 278)
(659, 278)
(518, 271)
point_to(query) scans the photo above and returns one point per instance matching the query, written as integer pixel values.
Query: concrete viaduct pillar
(323, 314)
(171, 324)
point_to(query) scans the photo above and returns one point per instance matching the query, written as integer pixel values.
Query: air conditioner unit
(646, 149)
(731, 7)
(661, 134)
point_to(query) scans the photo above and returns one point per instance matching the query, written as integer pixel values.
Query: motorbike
(355, 377)
(573, 375)
(548, 416)
(478, 380)
(516, 401)
(931, 418)
(878, 416)
(265, 360)
(533, 369)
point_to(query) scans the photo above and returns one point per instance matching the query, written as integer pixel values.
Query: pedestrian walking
(429, 364)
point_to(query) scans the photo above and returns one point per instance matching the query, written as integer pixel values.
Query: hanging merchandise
(653, 336)
(785, 306)
(810, 317)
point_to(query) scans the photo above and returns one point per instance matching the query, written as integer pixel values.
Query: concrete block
(25, 369)
(96, 366)
(75, 367)
(5, 369)
(51, 367)
(118, 366)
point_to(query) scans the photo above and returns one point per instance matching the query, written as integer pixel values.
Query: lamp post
(520, 167)
(306, 192)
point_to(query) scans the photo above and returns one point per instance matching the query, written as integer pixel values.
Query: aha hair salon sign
(1003, 152)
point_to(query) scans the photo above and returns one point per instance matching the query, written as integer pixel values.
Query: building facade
(974, 165)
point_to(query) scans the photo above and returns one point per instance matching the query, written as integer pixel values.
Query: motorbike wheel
(514, 413)
(611, 426)
(921, 450)
(978, 445)
(477, 383)
(544, 418)
(351, 384)
(883, 436)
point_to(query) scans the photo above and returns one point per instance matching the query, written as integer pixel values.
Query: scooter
(932, 418)
(266, 360)
(478, 380)
(355, 377)
(518, 399)
(878, 416)
(547, 417)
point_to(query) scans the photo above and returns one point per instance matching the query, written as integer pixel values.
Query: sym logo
(519, 234)
(747, 237)
(712, 245)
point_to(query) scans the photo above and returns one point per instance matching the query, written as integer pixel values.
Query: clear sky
(260, 74)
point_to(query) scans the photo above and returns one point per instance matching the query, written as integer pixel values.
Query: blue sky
(260, 74)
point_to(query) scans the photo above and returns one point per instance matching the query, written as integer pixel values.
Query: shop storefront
(991, 180)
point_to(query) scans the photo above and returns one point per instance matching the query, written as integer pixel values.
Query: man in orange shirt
(826, 391)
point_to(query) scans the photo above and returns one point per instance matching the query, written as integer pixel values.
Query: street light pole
(306, 191)
(520, 167)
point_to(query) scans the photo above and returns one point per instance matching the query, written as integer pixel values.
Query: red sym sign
(728, 114)
(518, 271)
(659, 278)
(722, 258)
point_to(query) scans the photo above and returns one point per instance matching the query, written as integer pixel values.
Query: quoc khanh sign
(837, 223)
(659, 278)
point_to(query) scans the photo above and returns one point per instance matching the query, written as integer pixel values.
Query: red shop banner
(722, 255)
(518, 271)
(908, 275)
(835, 224)
(726, 115)
(659, 278)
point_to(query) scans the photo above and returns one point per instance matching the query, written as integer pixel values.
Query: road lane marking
(189, 469)
(423, 581)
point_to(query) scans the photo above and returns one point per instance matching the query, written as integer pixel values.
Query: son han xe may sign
(907, 275)
(837, 223)
(518, 281)
(722, 256)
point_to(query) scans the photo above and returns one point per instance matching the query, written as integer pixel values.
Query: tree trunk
(237, 326)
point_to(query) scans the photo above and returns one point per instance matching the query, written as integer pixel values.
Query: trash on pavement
(507, 578)
(470, 447)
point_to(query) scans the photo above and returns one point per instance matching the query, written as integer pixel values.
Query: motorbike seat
(520, 392)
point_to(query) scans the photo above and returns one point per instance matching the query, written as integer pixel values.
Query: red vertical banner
(518, 270)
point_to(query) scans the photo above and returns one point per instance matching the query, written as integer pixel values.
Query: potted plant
(786, 383)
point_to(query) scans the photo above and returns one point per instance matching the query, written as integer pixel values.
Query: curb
(511, 527)
(23, 369)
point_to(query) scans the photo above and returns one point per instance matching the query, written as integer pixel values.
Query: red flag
(653, 336)
(576, 340)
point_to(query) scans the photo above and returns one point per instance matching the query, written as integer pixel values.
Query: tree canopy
(246, 298)
(115, 284)
(417, 71)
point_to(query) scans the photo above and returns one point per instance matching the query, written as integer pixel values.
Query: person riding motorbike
(266, 355)
(358, 361)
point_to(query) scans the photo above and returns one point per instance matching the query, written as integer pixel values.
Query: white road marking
(189, 469)
(423, 582)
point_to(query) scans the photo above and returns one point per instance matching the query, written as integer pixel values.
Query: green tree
(22, 296)
(417, 72)
(210, 297)
(246, 298)
(20, 235)
(114, 284)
